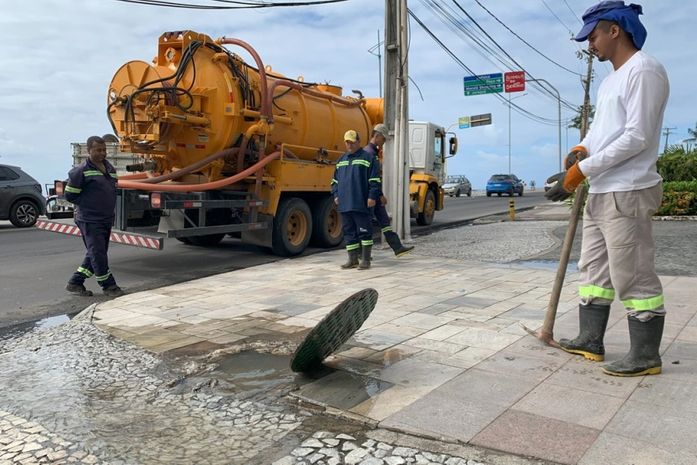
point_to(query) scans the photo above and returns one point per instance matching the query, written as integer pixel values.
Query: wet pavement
(441, 372)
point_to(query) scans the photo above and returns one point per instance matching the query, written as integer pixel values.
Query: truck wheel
(24, 214)
(457, 194)
(425, 217)
(326, 224)
(292, 227)
(469, 193)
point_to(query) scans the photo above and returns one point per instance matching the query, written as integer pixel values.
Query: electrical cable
(566, 103)
(526, 42)
(518, 108)
(238, 4)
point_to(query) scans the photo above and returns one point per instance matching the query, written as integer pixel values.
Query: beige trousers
(617, 252)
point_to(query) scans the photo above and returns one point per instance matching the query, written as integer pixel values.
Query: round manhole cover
(334, 329)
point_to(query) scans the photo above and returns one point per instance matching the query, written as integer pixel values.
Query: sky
(60, 55)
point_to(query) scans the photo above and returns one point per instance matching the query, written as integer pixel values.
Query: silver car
(21, 201)
(457, 185)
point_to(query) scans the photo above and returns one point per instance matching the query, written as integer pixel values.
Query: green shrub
(679, 198)
(677, 165)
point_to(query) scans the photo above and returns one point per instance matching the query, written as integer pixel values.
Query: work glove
(567, 182)
(575, 155)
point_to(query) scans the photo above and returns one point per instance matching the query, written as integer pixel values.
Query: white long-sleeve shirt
(623, 139)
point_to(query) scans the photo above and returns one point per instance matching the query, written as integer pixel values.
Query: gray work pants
(617, 253)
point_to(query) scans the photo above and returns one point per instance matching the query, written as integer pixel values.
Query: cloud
(59, 57)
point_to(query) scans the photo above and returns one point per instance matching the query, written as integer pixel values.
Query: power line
(491, 52)
(526, 42)
(566, 103)
(572, 11)
(558, 18)
(238, 4)
(518, 108)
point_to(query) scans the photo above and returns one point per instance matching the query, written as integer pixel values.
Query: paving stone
(619, 450)
(440, 414)
(669, 428)
(570, 405)
(667, 392)
(525, 434)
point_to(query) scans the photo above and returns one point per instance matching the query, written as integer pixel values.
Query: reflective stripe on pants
(95, 236)
(617, 252)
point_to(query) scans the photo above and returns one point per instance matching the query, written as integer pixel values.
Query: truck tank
(199, 113)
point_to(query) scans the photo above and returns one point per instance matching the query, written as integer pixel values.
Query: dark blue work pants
(95, 236)
(357, 229)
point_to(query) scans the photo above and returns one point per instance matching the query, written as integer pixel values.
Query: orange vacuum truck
(227, 147)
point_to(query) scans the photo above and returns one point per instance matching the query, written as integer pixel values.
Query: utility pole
(585, 113)
(667, 132)
(396, 149)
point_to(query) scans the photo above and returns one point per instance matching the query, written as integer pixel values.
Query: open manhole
(334, 330)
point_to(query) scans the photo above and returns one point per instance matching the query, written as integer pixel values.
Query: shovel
(545, 334)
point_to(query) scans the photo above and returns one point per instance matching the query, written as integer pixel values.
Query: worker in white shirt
(618, 156)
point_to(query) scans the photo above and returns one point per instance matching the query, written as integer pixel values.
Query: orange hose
(133, 176)
(201, 187)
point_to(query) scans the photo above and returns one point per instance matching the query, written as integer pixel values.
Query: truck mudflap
(126, 238)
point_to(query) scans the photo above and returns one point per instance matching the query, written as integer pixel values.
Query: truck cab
(428, 143)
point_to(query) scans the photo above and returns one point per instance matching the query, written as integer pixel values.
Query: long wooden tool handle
(577, 207)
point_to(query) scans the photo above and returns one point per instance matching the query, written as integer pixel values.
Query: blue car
(504, 184)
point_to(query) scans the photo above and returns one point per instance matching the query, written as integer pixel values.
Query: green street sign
(483, 84)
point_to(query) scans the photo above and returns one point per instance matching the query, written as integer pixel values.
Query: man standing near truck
(374, 147)
(92, 188)
(618, 156)
(356, 189)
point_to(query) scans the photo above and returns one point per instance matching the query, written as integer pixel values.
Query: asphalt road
(37, 264)
(460, 210)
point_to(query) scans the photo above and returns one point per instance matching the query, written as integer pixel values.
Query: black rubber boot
(592, 320)
(396, 244)
(643, 358)
(365, 257)
(78, 289)
(352, 259)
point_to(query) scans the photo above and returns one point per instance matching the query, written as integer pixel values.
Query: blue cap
(627, 16)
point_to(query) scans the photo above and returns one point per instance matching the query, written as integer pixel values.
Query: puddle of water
(548, 264)
(343, 390)
(40, 325)
(253, 371)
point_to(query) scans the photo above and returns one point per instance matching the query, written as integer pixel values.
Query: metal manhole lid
(334, 330)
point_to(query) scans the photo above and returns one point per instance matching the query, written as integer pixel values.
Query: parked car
(21, 201)
(457, 185)
(504, 184)
(549, 185)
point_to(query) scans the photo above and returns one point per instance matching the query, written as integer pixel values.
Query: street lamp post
(509, 128)
(558, 110)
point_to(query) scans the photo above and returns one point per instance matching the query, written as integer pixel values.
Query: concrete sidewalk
(443, 355)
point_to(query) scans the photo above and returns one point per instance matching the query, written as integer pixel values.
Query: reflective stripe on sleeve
(73, 190)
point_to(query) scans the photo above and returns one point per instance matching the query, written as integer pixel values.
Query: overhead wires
(486, 45)
(517, 108)
(216, 4)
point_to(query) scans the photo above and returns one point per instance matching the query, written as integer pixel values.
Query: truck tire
(292, 227)
(425, 217)
(326, 224)
(24, 213)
